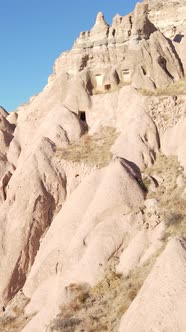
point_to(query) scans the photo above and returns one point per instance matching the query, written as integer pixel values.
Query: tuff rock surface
(92, 184)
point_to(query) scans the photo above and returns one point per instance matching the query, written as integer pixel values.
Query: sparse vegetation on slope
(170, 195)
(14, 319)
(174, 89)
(103, 306)
(91, 150)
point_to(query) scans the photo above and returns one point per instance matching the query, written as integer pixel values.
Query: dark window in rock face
(82, 116)
(126, 71)
(107, 87)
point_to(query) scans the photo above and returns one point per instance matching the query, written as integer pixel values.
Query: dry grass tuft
(14, 319)
(171, 197)
(91, 150)
(105, 304)
(176, 88)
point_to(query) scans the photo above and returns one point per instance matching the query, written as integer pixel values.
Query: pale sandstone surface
(173, 141)
(180, 45)
(6, 136)
(136, 53)
(139, 141)
(86, 237)
(27, 212)
(166, 111)
(12, 117)
(141, 248)
(3, 112)
(126, 110)
(116, 109)
(31, 137)
(57, 123)
(61, 222)
(160, 304)
(31, 203)
(6, 131)
(169, 16)
(75, 173)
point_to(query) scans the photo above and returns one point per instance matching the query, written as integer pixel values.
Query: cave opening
(83, 119)
(107, 87)
(82, 116)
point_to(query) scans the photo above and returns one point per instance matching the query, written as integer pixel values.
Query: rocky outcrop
(169, 17)
(130, 51)
(31, 154)
(166, 111)
(173, 141)
(161, 301)
(94, 222)
(6, 131)
(139, 139)
(180, 46)
(27, 211)
(30, 204)
(62, 222)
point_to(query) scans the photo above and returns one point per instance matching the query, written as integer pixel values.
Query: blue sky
(33, 33)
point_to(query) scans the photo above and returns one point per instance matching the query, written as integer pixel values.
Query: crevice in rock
(5, 180)
(43, 211)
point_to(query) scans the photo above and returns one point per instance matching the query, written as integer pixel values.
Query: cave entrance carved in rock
(107, 87)
(82, 116)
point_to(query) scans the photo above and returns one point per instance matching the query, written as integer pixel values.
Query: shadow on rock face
(178, 38)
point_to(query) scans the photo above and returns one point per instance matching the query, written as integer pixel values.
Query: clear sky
(33, 33)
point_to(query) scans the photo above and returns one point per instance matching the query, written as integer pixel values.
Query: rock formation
(92, 184)
(161, 301)
(131, 50)
(169, 17)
